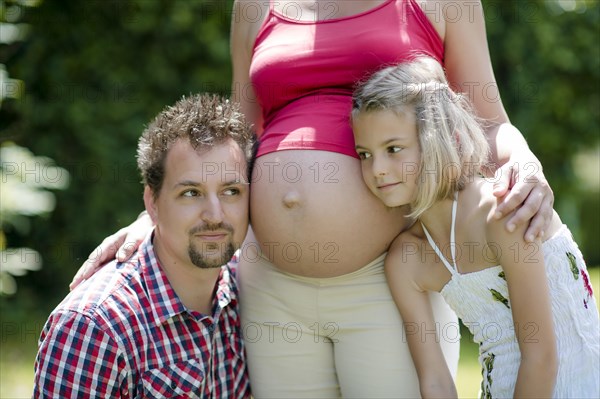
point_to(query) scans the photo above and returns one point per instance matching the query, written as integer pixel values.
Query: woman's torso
(310, 210)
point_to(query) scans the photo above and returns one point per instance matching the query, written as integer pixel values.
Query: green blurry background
(80, 79)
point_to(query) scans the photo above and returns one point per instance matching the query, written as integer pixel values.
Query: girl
(528, 305)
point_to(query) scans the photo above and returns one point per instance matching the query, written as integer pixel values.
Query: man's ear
(150, 204)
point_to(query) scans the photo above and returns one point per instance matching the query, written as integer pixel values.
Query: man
(165, 323)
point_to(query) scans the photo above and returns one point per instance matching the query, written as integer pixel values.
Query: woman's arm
(413, 303)
(469, 70)
(243, 35)
(124, 242)
(523, 265)
(121, 245)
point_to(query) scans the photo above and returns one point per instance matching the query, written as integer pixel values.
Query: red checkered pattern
(125, 334)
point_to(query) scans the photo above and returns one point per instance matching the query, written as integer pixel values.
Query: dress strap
(438, 252)
(452, 231)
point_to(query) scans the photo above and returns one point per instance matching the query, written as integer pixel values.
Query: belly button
(291, 200)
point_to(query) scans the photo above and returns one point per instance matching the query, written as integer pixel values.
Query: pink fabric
(303, 72)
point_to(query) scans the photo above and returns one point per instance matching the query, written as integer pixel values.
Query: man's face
(201, 212)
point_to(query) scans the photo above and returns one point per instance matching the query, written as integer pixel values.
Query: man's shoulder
(91, 326)
(116, 287)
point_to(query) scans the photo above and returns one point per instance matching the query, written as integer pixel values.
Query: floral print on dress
(573, 264)
(586, 283)
(486, 373)
(499, 297)
(589, 292)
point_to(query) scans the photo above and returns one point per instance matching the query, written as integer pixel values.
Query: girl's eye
(394, 149)
(190, 193)
(231, 192)
(364, 155)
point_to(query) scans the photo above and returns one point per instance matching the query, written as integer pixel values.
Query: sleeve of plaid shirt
(77, 358)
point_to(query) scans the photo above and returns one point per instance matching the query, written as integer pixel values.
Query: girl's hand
(119, 246)
(522, 182)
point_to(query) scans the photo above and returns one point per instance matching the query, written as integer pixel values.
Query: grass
(18, 345)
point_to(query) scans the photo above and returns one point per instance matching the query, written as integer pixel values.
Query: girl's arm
(523, 265)
(469, 70)
(435, 379)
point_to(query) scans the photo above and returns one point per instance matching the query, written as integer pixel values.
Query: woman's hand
(468, 66)
(522, 183)
(119, 246)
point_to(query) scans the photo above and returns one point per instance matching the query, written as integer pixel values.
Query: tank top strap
(453, 269)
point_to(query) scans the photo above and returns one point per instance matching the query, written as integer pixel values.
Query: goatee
(199, 259)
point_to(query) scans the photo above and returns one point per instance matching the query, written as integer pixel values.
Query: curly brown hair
(206, 120)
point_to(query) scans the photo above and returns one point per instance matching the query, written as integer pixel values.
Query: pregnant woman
(318, 318)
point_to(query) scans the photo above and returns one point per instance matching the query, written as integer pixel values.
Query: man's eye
(364, 155)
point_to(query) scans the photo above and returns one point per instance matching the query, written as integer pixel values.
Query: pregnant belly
(312, 215)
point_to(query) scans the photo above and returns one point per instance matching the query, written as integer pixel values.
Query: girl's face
(388, 147)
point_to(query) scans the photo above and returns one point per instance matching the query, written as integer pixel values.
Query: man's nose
(212, 211)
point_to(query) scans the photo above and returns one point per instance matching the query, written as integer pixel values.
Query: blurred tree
(96, 71)
(546, 59)
(24, 193)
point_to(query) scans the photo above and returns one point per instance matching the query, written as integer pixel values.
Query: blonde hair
(453, 145)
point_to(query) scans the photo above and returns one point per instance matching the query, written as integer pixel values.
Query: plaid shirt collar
(165, 302)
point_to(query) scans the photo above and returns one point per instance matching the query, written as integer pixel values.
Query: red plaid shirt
(125, 334)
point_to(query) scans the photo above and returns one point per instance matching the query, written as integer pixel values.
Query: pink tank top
(303, 72)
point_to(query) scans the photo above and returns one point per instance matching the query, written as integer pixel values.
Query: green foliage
(96, 71)
(23, 194)
(546, 60)
(547, 63)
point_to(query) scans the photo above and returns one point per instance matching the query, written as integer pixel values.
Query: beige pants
(330, 337)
